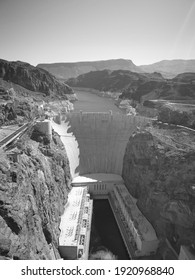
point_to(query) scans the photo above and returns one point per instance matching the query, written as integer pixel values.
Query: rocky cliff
(178, 114)
(18, 111)
(138, 86)
(119, 81)
(32, 78)
(159, 170)
(34, 182)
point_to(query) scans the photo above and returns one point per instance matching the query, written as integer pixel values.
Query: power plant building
(138, 234)
(75, 225)
(141, 231)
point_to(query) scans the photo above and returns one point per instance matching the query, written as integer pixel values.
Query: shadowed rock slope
(177, 114)
(33, 192)
(32, 78)
(119, 80)
(138, 86)
(159, 170)
(19, 110)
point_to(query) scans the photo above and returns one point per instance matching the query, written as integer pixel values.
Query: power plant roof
(142, 225)
(71, 219)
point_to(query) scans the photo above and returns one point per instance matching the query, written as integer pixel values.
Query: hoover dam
(95, 143)
(95, 134)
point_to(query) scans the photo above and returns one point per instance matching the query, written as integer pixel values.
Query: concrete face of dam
(96, 142)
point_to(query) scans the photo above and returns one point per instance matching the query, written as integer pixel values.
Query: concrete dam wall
(96, 142)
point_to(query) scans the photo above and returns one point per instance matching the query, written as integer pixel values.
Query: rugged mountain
(170, 68)
(188, 77)
(71, 70)
(118, 80)
(138, 86)
(169, 90)
(34, 183)
(33, 78)
(159, 170)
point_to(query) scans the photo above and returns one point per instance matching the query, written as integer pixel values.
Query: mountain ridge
(168, 68)
(73, 69)
(138, 86)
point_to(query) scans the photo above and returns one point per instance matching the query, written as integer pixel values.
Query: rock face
(12, 112)
(32, 78)
(72, 70)
(159, 170)
(177, 114)
(34, 182)
(119, 80)
(138, 86)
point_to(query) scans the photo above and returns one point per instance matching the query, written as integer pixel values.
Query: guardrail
(15, 134)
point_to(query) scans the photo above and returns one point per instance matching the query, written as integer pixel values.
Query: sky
(48, 31)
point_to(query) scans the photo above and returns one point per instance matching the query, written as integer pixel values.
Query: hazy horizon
(68, 31)
(72, 62)
(58, 62)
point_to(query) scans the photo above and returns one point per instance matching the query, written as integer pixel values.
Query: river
(90, 102)
(105, 232)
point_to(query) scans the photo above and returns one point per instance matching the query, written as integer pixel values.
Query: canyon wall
(159, 170)
(33, 78)
(34, 183)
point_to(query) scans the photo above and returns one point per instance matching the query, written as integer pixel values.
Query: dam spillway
(95, 141)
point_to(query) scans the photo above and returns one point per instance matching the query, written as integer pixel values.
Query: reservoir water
(90, 102)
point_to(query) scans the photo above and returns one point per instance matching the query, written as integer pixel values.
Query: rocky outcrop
(18, 111)
(117, 81)
(177, 114)
(33, 78)
(34, 182)
(159, 170)
(138, 86)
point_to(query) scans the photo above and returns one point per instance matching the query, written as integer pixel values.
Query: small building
(44, 127)
(76, 225)
(14, 155)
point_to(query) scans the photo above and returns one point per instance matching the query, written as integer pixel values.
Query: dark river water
(105, 232)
